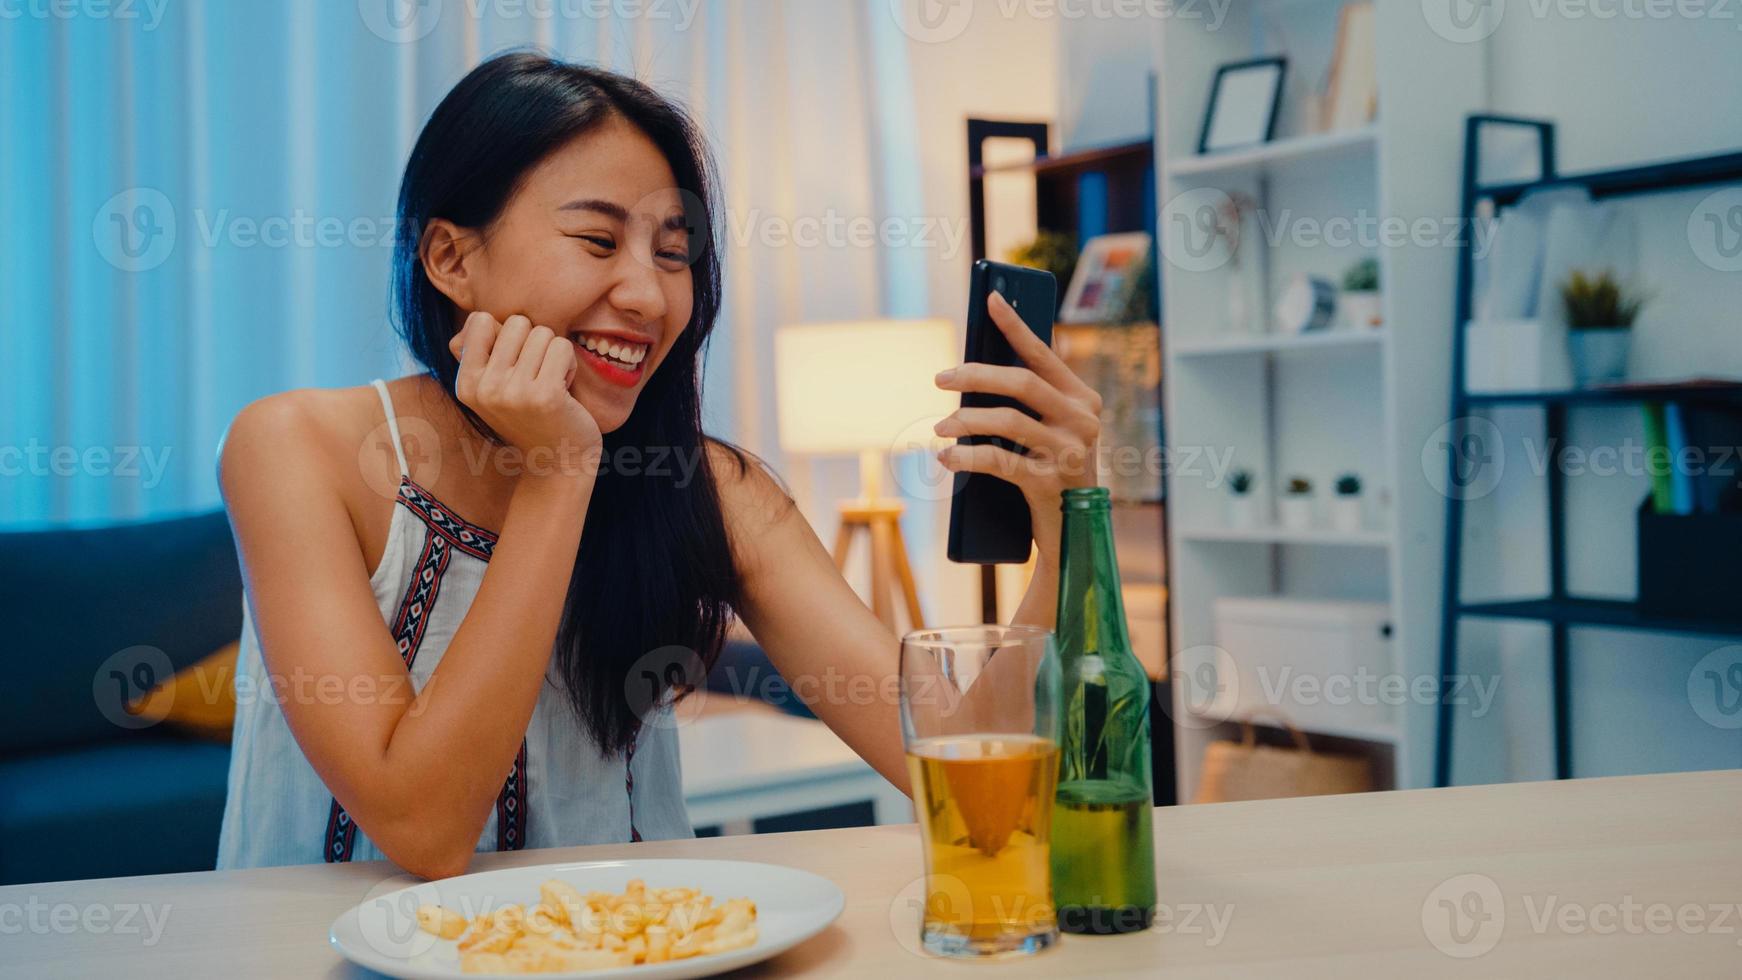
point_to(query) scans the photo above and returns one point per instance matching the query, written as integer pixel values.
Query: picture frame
(1244, 99)
(1108, 269)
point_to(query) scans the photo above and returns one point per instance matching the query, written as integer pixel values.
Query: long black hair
(660, 583)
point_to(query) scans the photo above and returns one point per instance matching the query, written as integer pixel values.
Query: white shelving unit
(1352, 144)
(1318, 404)
(1275, 343)
(1364, 538)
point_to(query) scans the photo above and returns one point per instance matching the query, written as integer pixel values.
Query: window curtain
(196, 204)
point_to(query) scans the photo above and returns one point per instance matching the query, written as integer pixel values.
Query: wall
(1103, 76)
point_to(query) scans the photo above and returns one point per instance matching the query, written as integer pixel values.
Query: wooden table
(1578, 879)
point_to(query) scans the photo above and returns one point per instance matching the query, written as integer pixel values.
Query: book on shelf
(1690, 457)
(1656, 466)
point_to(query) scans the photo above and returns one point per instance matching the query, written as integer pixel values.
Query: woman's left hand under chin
(1061, 443)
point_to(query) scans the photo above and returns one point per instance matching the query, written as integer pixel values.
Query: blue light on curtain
(28, 340)
(146, 167)
(165, 179)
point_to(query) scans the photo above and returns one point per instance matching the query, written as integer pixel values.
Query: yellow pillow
(199, 700)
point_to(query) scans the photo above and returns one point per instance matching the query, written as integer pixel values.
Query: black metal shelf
(1651, 178)
(1617, 614)
(1714, 391)
(1559, 610)
(1137, 153)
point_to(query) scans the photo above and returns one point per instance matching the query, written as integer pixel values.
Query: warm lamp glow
(853, 387)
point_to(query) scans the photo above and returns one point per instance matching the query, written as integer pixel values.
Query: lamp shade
(850, 387)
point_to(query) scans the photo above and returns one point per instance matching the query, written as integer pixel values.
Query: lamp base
(881, 519)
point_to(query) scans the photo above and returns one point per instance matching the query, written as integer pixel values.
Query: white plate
(381, 933)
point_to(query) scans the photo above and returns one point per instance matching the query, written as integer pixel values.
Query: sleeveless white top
(561, 790)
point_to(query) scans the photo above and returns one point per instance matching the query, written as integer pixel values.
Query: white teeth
(621, 351)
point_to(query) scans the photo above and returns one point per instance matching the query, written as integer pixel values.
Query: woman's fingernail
(946, 376)
(948, 427)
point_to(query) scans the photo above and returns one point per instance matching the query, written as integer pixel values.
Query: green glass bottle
(1103, 847)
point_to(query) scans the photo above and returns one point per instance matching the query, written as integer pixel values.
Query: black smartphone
(989, 521)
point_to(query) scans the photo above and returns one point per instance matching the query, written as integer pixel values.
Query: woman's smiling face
(595, 245)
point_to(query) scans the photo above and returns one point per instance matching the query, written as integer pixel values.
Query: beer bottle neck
(1091, 614)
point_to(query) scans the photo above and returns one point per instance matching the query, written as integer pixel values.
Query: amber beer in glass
(978, 719)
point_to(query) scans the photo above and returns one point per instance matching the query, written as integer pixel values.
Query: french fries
(567, 930)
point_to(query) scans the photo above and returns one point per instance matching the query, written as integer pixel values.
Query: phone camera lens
(998, 284)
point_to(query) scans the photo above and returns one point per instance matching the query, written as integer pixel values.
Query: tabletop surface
(1626, 877)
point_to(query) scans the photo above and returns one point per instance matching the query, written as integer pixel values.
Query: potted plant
(1346, 505)
(1054, 251)
(1296, 506)
(1242, 506)
(1359, 302)
(1600, 315)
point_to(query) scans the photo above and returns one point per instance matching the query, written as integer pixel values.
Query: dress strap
(392, 425)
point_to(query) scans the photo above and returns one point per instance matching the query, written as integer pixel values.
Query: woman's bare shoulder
(309, 432)
(742, 478)
(753, 499)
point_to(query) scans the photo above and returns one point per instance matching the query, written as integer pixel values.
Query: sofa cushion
(73, 599)
(744, 671)
(149, 805)
(199, 701)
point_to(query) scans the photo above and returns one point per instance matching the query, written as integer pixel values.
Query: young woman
(468, 609)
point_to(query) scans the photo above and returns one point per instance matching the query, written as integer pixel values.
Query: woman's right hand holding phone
(516, 376)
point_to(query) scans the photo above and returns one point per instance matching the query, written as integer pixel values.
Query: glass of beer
(979, 722)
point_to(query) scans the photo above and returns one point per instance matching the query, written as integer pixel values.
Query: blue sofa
(82, 796)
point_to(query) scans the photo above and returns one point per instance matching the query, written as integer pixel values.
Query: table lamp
(856, 388)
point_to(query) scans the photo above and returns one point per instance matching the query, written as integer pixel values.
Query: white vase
(1295, 512)
(1360, 311)
(1516, 355)
(1599, 354)
(1346, 512)
(1242, 511)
